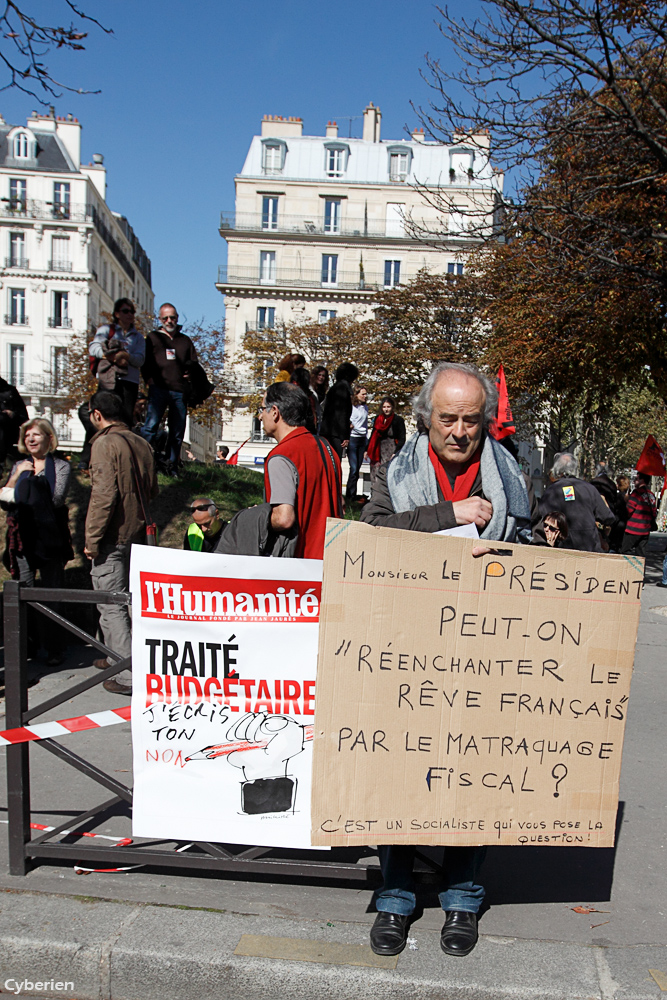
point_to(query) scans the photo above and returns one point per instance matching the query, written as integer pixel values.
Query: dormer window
(400, 160)
(460, 165)
(273, 155)
(335, 158)
(21, 146)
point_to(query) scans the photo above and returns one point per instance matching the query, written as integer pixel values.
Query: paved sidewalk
(152, 934)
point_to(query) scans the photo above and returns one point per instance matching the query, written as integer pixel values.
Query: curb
(139, 952)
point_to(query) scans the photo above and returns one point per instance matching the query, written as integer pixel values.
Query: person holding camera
(118, 351)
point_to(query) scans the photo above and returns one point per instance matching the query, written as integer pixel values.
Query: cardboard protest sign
(224, 652)
(467, 700)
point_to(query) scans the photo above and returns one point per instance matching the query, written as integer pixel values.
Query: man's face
(204, 515)
(168, 318)
(269, 417)
(457, 418)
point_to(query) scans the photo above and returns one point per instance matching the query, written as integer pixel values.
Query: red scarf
(381, 424)
(463, 483)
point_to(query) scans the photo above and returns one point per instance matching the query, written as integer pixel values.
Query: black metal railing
(22, 262)
(60, 265)
(342, 863)
(13, 320)
(59, 322)
(284, 277)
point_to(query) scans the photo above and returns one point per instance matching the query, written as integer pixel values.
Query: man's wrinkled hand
(474, 510)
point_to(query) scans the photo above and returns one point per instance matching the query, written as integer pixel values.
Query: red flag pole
(503, 425)
(234, 459)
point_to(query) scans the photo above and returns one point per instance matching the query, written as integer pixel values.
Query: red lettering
(291, 692)
(211, 683)
(308, 697)
(278, 696)
(228, 681)
(263, 698)
(248, 684)
(149, 755)
(153, 689)
(189, 682)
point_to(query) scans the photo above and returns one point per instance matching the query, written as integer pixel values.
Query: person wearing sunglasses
(203, 534)
(555, 529)
(120, 345)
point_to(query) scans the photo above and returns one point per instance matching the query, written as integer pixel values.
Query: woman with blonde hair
(38, 538)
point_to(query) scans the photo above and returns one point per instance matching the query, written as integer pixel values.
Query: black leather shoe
(459, 933)
(389, 933)
(115, 687)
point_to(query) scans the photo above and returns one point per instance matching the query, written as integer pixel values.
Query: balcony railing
(296, 278)
(59, 323)
(16, 320)
(303, 225)
(45, 210)
(60, 265)
(21, 262)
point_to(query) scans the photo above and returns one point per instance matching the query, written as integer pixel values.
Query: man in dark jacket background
(579, 501)
(12, 414)
(169, 355)
(337, 408)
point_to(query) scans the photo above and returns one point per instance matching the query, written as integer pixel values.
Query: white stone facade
(321, 224)
(64, 258)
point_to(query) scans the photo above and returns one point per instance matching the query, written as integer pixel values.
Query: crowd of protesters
(451, 472)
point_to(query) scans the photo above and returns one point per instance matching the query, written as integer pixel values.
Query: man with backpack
(123, 481)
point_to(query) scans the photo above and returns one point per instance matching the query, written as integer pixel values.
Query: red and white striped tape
(46, 730)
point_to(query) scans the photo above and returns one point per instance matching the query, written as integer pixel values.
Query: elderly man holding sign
(450, 473)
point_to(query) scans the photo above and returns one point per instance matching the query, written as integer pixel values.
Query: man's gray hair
(565, 465)
(423, 403)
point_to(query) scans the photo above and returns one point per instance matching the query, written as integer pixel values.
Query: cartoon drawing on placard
(261, 747)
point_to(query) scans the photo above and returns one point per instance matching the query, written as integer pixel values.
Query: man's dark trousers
(159, 400)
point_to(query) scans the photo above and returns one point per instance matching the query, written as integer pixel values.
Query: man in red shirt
(302, 477)
(641, 517)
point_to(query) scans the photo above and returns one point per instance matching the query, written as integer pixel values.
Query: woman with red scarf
(388, 436)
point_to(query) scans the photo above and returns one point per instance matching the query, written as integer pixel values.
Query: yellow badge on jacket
(568, 492)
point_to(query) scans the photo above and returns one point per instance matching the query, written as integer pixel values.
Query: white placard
(224, 654)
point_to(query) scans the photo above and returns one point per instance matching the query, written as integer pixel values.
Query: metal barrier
(240, 860)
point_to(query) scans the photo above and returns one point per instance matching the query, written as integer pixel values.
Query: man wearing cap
(203, 534)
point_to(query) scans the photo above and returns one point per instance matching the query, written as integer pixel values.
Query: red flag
(502, 426)
(652, 460)
(234, 460)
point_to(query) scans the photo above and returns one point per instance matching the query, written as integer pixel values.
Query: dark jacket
(249, 533)
(582, 506)
(10, 399)
(396, 431)
(336, 412)
(166, 372)
(380, 510)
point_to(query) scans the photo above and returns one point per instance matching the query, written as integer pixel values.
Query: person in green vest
(203, 534)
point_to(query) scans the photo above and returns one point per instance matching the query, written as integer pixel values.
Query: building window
(60, 254)
(21, 146)
(16, 364)
(272, 157)
(392, 273)
(455, 269)
(267, 267)
(17, 316)
(335, 162)
(329, 268)
(266, 317)
(332, 215)
(460, 165)
(258, 430)
(457, 222)
(399, 167)
(18, 195)
(269, 213)
(61, 195)
(324, 315)
(105, 276)
(58, 368)
(17, 256)
(60, 317)
(395, 219)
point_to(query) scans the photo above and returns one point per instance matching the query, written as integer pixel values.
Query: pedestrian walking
(356, 449)
(204, 533)
(38, 536)
(641, 517)
(387, 438)
(302, 477)
(579, 501)
(170, 356)
(450, 473)
(123, 481)
(337, 408)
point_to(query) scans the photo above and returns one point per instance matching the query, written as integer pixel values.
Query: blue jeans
(664, 571)
(462, 864)
(158, 401)
(356, 450)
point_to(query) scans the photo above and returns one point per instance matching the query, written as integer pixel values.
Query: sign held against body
(467, 700)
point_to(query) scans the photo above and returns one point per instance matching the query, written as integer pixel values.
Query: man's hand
(474, 510)
(344, 444)
(88, 554)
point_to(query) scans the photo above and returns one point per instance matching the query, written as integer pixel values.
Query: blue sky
(185, 85)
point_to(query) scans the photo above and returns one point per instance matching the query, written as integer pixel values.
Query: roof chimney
(372, 119)
(332, 130)
(276, 126)
(418, 135)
